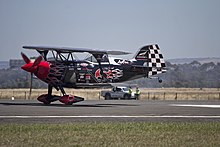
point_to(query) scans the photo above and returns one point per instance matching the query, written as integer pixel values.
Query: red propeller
(30, 67)
(25, 58)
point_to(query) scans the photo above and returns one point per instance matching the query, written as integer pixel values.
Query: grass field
(111, 134)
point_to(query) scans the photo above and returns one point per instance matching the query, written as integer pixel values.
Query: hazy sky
(182, 28)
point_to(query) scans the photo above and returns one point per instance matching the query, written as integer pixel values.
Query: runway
(32, 111)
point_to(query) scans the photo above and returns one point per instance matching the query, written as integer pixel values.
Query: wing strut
(43, 53)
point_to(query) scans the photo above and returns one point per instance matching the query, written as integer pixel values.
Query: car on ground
(118, 92)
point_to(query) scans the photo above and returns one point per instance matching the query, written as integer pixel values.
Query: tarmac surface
(32, 111)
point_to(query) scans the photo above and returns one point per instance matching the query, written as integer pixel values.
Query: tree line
(192, 75)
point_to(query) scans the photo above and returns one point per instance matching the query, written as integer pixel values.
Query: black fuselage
(77, 74)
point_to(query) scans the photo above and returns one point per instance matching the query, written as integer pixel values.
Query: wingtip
(26, 47)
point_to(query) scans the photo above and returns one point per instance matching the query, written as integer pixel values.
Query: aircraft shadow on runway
(62, 105)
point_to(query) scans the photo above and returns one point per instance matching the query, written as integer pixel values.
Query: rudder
(151, 57)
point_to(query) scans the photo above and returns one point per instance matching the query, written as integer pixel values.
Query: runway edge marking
(191, 105)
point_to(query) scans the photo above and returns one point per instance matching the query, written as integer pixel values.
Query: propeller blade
(37, 61)
(25, 58)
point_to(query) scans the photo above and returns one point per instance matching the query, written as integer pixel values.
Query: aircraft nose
(28, 67)
(25, 67)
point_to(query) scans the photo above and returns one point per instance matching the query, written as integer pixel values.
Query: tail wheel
(160, 80)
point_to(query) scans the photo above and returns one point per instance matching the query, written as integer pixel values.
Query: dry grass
(111, 134)
(146, 93)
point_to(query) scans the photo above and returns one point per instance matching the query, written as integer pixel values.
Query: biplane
(100, 69)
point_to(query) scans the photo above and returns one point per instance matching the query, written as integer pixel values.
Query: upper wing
(70, 50)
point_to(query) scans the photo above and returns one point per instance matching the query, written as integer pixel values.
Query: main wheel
(69, 103)
(47, 103)
(107, 96)
(44, 99)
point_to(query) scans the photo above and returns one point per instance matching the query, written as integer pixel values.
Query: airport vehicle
(118, 92)
(63, 69)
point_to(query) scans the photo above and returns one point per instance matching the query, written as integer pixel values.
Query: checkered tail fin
(151, 57)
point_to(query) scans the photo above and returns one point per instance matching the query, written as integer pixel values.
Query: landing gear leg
(62, 90)
(49, 90)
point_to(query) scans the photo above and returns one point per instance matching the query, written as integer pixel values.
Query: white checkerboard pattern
(156, 63)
